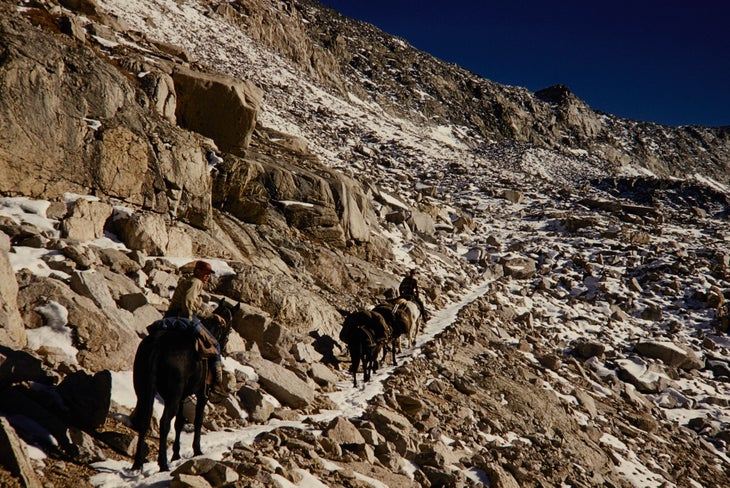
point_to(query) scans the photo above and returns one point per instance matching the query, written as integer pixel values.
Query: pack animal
(404, 318)
(168, 363)
(365, 333)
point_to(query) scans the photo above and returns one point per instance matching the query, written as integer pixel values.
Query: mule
(413, 318)
(404, 318)
(364, 332)
(168, 363)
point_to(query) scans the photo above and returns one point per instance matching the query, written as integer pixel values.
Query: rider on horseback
(186, 302)
(410, 290)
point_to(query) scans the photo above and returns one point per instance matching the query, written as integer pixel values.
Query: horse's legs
(355, 353)
(415, 329)
(145, 373)
(171, 408)
(140, 454)
(200, 401)
(179, 426)
(141, 423)
(409, 331)
(371, 356)
(367, 363)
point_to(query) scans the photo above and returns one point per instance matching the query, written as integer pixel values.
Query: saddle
(205, 343)
(171, 323)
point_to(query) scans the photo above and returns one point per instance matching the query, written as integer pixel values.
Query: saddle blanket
(205, 343)
(174, 323)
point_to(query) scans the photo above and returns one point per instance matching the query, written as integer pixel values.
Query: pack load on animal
(367, 332)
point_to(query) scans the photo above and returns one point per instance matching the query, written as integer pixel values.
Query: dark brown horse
(365, 333)
(167, 363)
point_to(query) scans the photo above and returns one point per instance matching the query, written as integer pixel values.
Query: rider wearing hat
(410, 290)
(187, 302)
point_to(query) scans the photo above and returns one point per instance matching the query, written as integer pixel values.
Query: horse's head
(221, 329)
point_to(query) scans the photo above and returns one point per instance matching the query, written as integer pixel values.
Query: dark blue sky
(665, 61)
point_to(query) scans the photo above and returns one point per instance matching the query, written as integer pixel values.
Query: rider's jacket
(408, 288)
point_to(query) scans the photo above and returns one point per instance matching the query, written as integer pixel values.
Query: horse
(168, 363)
(364, 332)
(404, 318)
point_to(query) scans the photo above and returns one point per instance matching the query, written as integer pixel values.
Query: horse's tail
(145, 383)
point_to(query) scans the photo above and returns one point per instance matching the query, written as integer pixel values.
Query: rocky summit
(575, 265)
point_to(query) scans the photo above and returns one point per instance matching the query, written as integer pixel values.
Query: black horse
(168, 363)
(364, 332)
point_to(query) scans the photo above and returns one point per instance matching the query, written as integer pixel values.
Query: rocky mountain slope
(576, 263)
(352, 57)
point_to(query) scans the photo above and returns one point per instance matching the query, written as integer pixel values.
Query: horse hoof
(164, 467)
(137, 466)
(175, 457)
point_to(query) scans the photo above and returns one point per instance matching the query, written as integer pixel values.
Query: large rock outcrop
(283, 298)
(71, 122)
(217, 106)
(571, 112)
(322, 203)
(101, 342)
(58, 103)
